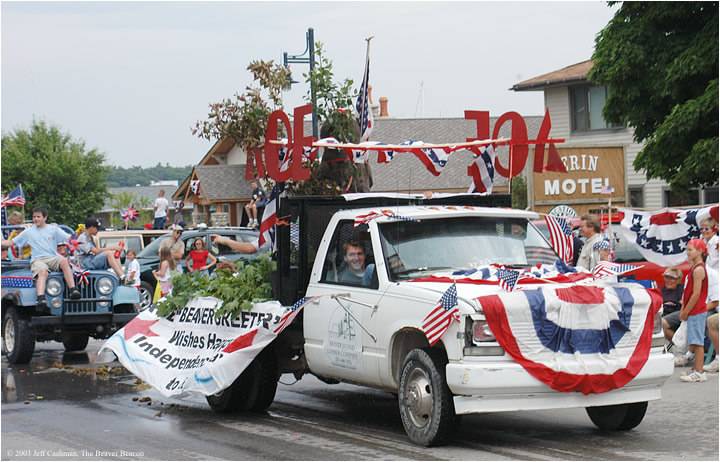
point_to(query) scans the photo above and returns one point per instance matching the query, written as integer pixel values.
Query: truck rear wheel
(619, 417)
(75, 342)
(426, 405)
(18, 337)
(254, 390)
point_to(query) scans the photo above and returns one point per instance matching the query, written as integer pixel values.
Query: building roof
(575, 73)
(140, 192)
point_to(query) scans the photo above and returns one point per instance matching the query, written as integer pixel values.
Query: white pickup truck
(370, 331)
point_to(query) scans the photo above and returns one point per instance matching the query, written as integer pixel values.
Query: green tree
(55, 171)
(123, 201)
(660, 61)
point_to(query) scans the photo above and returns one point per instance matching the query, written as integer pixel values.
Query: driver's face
(355, 259)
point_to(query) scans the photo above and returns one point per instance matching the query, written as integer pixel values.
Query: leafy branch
(251, 284)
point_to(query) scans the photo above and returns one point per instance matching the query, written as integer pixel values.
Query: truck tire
(619, 417)
(18, 337)
(254, 390)
(75, 342)
(426, 404)
(146, 295)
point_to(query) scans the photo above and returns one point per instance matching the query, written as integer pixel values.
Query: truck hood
(467, 292)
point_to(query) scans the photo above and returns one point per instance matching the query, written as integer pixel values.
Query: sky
(131, 78)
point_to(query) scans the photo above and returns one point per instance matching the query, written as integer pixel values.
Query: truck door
(340, 330)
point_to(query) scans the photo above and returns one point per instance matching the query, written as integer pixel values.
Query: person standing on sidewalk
(694, 310)
(161, 210)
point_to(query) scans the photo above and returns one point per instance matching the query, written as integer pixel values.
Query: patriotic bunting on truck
(580, 338)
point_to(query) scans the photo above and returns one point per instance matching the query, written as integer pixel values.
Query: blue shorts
(98, 261)
(160, 222)
(260, 203)
(696, 329)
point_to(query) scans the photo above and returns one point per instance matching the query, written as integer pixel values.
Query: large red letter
(298, 172)
(519, 152)
(554, 164)
(483, 124)
(272, 154)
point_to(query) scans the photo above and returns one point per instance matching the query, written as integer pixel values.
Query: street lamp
(310, 50)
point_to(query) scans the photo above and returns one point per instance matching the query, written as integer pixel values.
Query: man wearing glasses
(177, 247)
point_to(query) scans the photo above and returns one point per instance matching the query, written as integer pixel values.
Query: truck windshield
(449, 244)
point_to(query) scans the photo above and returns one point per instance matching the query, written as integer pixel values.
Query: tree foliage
(244, 117)
(660, 61)
(135, 175)
(55, 171)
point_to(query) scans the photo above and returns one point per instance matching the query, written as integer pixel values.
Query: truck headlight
(105, 285)
(481, 332)
(54, 287)
(658, 326)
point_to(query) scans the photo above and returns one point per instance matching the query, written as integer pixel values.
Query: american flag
(608, 268)
(365, 117)
(269, 218)
(561, 237)
(293, 311)
(16, 197)
(434, 159)
(508, 279)
(437, 322)
(482, 170)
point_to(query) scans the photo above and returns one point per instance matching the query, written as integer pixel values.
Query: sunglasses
(707, 229)
(179, 232)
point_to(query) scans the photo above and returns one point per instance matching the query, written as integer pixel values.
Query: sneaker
(681, 361)
(75, 294)
(41, 304)
(713, 366)
(694, 376)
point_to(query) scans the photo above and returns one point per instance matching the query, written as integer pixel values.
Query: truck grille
(87, 291)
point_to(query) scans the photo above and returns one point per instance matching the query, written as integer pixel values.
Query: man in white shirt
(161, 210)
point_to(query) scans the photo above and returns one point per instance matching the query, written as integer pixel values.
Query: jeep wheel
(426, 405)
(254, 390)
(619, 417)
(18, 337)
(75, 342)
(146, 295)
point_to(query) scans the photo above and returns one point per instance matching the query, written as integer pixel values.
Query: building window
(670, 199)
(587, 103)
(636, 197)
(711, 195)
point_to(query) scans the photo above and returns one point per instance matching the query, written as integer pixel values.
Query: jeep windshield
(414, 249)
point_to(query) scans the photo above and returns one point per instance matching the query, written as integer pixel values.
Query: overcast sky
(132, 78)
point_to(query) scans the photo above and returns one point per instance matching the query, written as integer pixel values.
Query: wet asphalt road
(64, 407)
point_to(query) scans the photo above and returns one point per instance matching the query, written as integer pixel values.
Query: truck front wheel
(254, 390)
(619, 417)
(426, 404)
(18, 337)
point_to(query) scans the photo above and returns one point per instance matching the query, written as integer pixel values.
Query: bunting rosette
(589, 339)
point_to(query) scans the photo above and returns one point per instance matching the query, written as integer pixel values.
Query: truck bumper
(84, 318)
(506, 386)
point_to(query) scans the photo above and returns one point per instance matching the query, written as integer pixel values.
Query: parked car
(134, 238)
(149, 259)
